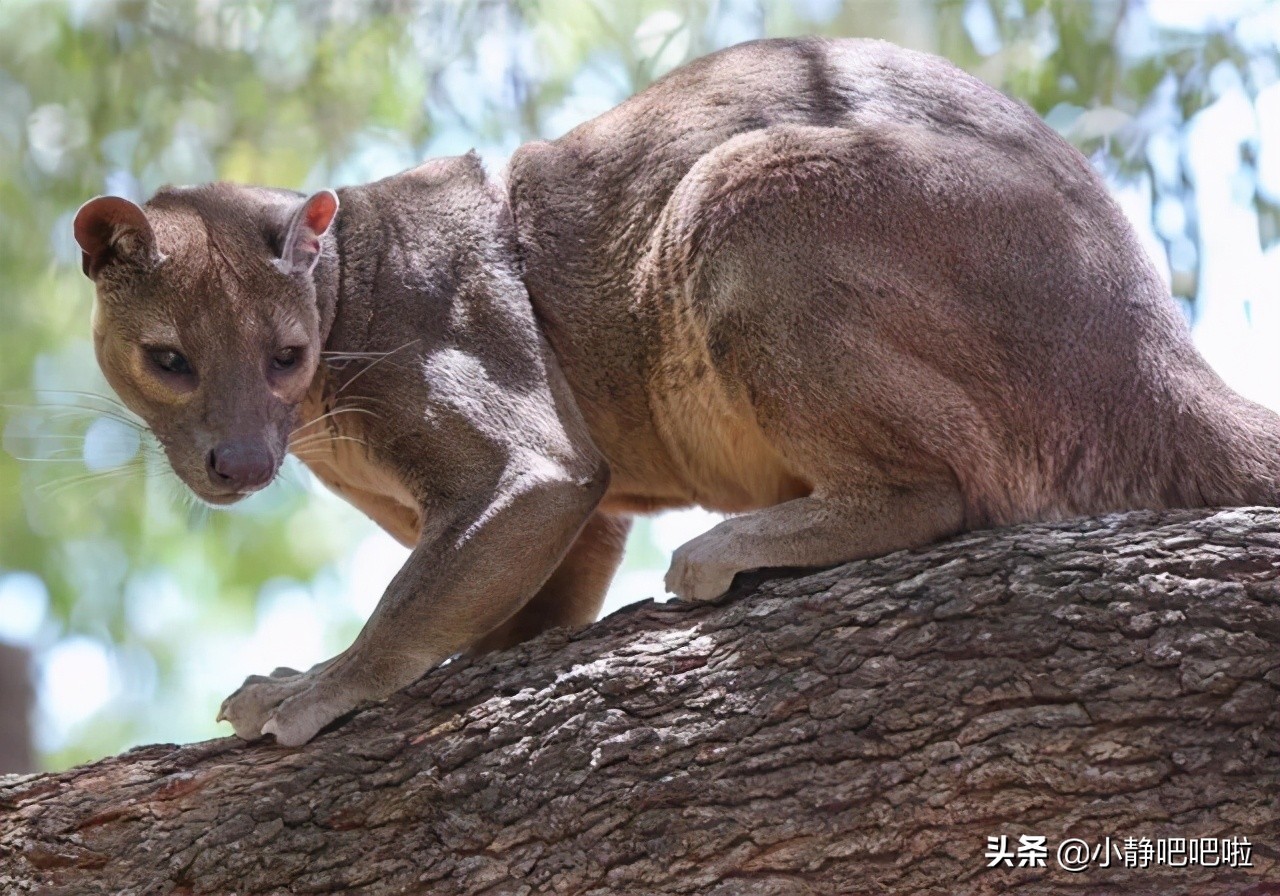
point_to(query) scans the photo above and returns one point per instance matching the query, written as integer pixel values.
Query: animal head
(206, 322)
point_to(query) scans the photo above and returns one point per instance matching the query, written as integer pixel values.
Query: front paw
(293, 706)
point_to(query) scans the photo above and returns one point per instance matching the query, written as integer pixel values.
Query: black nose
(241, 464)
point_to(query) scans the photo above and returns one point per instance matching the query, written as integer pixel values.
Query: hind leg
(808, 304)
(572, 597)
(826, 528)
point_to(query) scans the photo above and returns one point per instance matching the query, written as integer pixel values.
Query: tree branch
(859, 730)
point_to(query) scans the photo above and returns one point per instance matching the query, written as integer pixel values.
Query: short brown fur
(840, 289)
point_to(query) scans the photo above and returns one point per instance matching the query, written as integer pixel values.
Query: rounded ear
(311, 221)
(110, 229)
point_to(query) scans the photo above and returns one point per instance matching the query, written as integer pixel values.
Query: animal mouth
(232, 494)
(226, 499)
(221, 500)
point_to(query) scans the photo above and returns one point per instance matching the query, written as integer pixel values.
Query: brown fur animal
(842, 290)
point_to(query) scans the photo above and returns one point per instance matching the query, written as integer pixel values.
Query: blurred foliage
(125, 96)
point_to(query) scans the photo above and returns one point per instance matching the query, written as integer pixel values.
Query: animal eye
(170, 361)
(285, 358)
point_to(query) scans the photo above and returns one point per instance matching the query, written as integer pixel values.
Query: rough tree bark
(859, 730)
